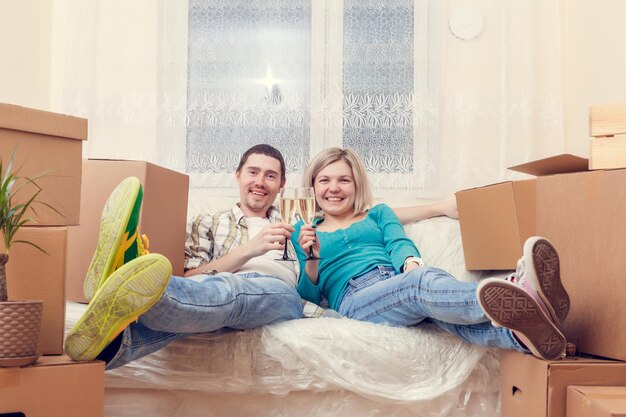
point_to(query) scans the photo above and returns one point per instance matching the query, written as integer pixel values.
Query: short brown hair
(267, 150)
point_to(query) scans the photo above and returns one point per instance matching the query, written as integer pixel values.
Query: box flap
(557, 164)
(42, 122)
(116, 160)
(601, 392)
(489, 227)
(596, 401)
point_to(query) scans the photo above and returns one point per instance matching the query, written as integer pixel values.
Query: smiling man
(232, 277)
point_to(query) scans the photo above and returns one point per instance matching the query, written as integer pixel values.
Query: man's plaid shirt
(212, 236)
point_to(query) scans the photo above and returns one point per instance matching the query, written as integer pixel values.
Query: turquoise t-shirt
(377, 240)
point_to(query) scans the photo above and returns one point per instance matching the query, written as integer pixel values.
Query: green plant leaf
(13, 216)
(31, 244)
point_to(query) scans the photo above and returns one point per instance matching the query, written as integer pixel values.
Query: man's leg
(211, 302)
(187, 306)
(129, 292)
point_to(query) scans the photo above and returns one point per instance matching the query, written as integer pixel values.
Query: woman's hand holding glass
(306, 207)
(308, 241)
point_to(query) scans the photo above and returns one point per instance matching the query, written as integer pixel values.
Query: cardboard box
(585, 401)
(55, 386)
(34, 275)
(607, 153)
(45, 143)
(163, 214)
(531, 387)
(497, 219)
(607, 120)
(583, 215)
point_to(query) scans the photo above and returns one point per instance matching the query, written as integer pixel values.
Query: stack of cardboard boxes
(49, 144)
(583, 213)
(163, 214)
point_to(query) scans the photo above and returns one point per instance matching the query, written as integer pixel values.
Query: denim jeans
(382, 296)
(205, 303)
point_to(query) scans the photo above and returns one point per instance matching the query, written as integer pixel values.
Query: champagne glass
(287, 205)
(306, 206)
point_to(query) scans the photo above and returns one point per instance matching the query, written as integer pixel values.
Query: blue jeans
(206, 303)
(382, 296)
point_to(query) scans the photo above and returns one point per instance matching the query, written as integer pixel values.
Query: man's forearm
(230, 262)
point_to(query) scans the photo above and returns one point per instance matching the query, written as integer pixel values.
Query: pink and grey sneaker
(510, 306)
(523, 302)
(540, 268)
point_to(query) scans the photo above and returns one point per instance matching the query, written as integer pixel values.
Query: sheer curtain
(436, 95)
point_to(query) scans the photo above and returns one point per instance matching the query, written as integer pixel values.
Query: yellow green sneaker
(128, 293)
(119, 240)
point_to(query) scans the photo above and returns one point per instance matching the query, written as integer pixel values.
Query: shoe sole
(113, 223)
(128, 293)
(545, 276)
(512, 307)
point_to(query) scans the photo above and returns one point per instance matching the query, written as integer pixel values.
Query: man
(232, 277)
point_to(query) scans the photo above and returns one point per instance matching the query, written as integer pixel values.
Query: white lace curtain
(435, 95)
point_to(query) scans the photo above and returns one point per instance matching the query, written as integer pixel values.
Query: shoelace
(519, 278)
(520, 272)
(142, 248)
(143, 245)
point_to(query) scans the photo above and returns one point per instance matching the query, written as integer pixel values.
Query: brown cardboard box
(607, 120)
(585, 401)
(607, 153)
(45, 143)
(34, 275)
(163, 214)
(497, 219)
(584, 216)
(53, 387)
(531, 387)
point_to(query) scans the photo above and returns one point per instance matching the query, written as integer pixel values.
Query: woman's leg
(408, 299)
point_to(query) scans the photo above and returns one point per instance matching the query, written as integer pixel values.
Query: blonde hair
(363, 198)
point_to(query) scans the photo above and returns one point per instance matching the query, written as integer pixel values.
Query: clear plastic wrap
(343, 364)
(318, 367)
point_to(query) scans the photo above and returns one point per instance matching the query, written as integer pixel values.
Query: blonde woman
(370, 270)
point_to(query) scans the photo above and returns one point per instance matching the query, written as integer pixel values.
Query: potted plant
(20, 320)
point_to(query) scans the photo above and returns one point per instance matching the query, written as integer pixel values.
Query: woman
(370, 270)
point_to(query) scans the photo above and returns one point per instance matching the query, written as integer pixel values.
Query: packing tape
(9, 377)
(594, 185)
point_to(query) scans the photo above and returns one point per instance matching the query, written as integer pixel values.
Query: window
(305, 75)
(248, 81)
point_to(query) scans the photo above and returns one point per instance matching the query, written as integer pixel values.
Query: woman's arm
(397, 244)
(416, 213)
(307, 239)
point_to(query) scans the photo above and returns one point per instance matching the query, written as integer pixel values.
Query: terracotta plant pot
(20, 324)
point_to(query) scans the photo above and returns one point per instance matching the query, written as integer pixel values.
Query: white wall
(594, 61)
(25, 45)
(594, 58)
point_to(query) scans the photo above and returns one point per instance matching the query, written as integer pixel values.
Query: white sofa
(318, 367)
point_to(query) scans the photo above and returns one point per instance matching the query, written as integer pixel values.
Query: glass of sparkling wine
(287, 204)
(306, 206)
